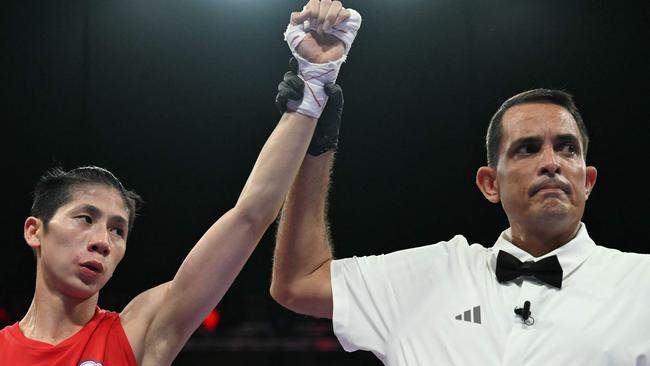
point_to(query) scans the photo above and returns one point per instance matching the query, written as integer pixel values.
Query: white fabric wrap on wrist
(317, 75)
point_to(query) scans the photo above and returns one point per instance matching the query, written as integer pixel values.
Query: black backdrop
(176, 98)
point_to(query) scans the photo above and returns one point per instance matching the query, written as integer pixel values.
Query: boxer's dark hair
(552, 96)
(56, 187)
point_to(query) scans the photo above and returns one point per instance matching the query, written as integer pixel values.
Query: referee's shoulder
(457, 244)
(607, 253)
(615, 260)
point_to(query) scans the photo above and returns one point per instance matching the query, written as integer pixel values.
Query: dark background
(176, 98)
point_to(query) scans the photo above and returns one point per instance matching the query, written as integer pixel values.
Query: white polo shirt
(441, 304)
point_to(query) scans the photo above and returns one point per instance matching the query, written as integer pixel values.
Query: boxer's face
(541, 175)
(84, 241)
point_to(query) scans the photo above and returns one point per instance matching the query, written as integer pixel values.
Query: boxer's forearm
(276, 167)
(301, 271)
(213, 263)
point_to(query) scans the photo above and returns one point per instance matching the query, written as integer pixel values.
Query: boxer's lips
(94, 266)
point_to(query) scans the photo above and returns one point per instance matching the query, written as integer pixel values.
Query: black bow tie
(547, 270)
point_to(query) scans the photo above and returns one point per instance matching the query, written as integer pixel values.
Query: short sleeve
(371, 294)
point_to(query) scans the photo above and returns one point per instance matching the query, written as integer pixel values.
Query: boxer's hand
(320, 17)
(320, 37)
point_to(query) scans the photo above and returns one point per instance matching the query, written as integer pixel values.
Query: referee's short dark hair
(552, 96)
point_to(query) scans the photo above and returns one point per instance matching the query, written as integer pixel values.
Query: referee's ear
(590, 180)
(486, 180)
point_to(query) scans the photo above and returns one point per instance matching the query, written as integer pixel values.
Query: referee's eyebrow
(568, 137)
(523, 141)
(527, 140)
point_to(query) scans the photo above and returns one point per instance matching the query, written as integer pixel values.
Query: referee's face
(541, 178)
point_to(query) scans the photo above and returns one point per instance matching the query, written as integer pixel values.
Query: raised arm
(301, 267)
(159, 321)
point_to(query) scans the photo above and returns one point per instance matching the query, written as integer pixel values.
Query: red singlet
(101, 342)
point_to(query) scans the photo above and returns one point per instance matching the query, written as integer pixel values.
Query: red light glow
(211, 322)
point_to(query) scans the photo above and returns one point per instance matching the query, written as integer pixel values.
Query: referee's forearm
(302, 244)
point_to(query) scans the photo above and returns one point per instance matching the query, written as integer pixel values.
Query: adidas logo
(471, 315)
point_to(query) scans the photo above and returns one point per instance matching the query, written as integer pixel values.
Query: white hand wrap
(317, 75)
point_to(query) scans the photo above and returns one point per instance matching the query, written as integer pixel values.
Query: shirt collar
(571, 255)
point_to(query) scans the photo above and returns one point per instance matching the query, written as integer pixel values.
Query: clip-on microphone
(524, 313)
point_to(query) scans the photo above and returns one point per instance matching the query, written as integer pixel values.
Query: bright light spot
(211, 322)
